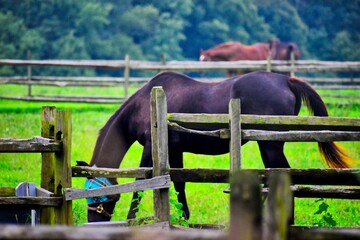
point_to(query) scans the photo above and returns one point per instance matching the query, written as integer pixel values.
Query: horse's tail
(289, 49)
(332, 154)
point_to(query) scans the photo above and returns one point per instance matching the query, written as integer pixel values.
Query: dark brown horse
(261, 93)
(235, 51)
(282, 50)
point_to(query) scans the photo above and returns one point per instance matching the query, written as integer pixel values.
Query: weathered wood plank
(63, 99)
(121, 80)
(263, 135)
(199, 175)
(245, 206)
(35, 144)
(299, 66)
(118, 80)
(299, 176)
(79, 171)
(147, 184)
(62, 180)
(7, 191)
(48, 115)
(34, 202)
(160, 151)
(326, 192)
(43, 232)
(320, 192)
(278, 208)
(300, 136)
(321, 233)
(235, 141)
(265, 122)
(66, 63)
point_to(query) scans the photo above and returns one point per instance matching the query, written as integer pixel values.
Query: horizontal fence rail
(263, 122)
(35, 144)
(276, 65)
(299, 176)
(148, 184)
(128, 65)
(109, 233)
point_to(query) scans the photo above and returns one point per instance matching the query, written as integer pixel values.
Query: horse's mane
(104, 129)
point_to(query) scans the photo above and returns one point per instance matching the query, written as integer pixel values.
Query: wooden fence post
(278, 208)
(235, 135)
(268, 63)
(292, 58)
(245, 206)
(126, 76)
(48, 161)
(29, 73)
(160, 155)
(163, 58)
(56, 167)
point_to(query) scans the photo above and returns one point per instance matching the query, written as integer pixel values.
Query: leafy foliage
(176, 214)
(65, 29)
(326, 218)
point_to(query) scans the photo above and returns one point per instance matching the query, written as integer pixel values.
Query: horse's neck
(111, 146)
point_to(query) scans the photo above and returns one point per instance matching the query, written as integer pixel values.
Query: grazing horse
(282, 50)
(235, 51)
(262, 93)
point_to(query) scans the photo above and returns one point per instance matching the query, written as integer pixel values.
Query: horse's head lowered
(99, 208)
(204, 55)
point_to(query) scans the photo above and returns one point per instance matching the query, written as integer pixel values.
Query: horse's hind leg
(146, 161)
(272, 154)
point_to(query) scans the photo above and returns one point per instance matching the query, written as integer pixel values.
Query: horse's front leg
(176, 161)
(180, 188)
(146, 161)
(134, 207)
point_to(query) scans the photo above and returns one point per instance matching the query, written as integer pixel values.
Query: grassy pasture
(207, 202)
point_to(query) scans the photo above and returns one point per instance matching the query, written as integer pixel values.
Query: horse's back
(264, 93)
(187, 95)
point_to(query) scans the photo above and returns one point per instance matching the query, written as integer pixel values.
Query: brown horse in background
(235, 51)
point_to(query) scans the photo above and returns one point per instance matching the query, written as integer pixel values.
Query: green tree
(15, 40)
(213, 22)
(169, 32)
(284, 22)
(325, 20)
(345, 48)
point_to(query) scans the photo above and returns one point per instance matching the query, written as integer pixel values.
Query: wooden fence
(246, 211)
(55, 148)
(245, 223)
(127, 65)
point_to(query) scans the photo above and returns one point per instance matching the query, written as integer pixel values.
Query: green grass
(207, 202)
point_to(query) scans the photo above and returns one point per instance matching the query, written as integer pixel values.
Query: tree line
(146, 29)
